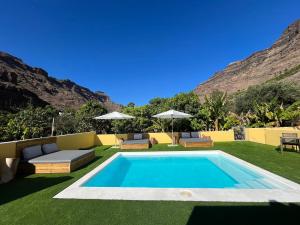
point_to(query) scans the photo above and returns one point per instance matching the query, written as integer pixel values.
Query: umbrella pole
(52, 127)
(172, 144)
(172, 131)
(115, 139)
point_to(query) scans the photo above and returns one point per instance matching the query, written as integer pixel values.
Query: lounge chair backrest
(289, 138)
(32, 152)
(290, 135)
(50, 148)
(20, 145)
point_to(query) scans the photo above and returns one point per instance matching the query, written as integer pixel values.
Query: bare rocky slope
(280, 62)
(21, 85)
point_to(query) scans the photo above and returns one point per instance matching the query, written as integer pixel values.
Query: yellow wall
(7, 150)
(108, 139)
(255, 135)
(164, 138)
(76, 141)
(220, 135)
(64, 142)
(273, 135)
(270, 136)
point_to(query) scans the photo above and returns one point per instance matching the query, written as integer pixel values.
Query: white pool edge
(290, 194)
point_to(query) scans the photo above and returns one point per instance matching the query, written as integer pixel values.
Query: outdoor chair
(289, 139)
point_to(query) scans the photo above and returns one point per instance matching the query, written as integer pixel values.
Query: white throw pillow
(50, 148)
(138, 136)
(32, 152)
(185, 135)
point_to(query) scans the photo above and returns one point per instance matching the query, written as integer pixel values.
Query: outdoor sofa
(138, 141)
(48, 158)
(194, 139)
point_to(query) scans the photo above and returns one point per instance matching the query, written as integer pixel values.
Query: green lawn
(28, 200)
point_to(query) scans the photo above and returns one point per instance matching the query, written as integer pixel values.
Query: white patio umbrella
(172, 114)
(115, 116)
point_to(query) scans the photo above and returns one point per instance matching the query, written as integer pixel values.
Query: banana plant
(216, 105)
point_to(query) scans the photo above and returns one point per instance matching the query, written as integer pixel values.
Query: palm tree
(216, 105)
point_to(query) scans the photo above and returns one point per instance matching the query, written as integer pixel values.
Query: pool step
(237, 173)
(241, 186)
(254, 184)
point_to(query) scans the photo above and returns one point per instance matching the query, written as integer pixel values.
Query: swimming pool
(179, 171)
(187, 175)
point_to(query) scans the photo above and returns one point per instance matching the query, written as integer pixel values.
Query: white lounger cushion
(132, 142)
(65, 156)
(192, 140)
(32, 152)
(138, 136)
(50, 148)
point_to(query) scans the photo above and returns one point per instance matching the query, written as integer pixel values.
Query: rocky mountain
(280, 62)
(21, 84)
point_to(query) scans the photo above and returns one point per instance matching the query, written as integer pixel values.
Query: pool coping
(290, 194)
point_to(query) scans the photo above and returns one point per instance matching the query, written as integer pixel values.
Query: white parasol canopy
(114, 116)
(172, 114)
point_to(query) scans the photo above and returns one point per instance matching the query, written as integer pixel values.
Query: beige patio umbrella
(172, 114)
(115, 116)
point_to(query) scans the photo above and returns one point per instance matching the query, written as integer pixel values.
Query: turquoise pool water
(177, 171)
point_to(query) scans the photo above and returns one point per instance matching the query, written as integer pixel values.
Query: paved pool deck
(288, 192)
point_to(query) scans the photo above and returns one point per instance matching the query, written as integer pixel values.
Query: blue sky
(138, 50)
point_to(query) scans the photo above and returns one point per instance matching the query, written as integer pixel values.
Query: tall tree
(31, 123)
(281, 93)
(85, 118)
(65, 122)
(188, 103)
(216, 106)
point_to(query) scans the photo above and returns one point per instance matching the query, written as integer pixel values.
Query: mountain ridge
(260, 66)
(21, 84)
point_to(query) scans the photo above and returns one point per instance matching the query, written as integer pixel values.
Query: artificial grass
(28, 200)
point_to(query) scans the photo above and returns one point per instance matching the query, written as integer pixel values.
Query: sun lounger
(43, 156)
(138, 142)
(62, 161)
(194, 140)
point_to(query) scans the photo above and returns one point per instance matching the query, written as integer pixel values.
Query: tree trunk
(217, 124)
(278, 122)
